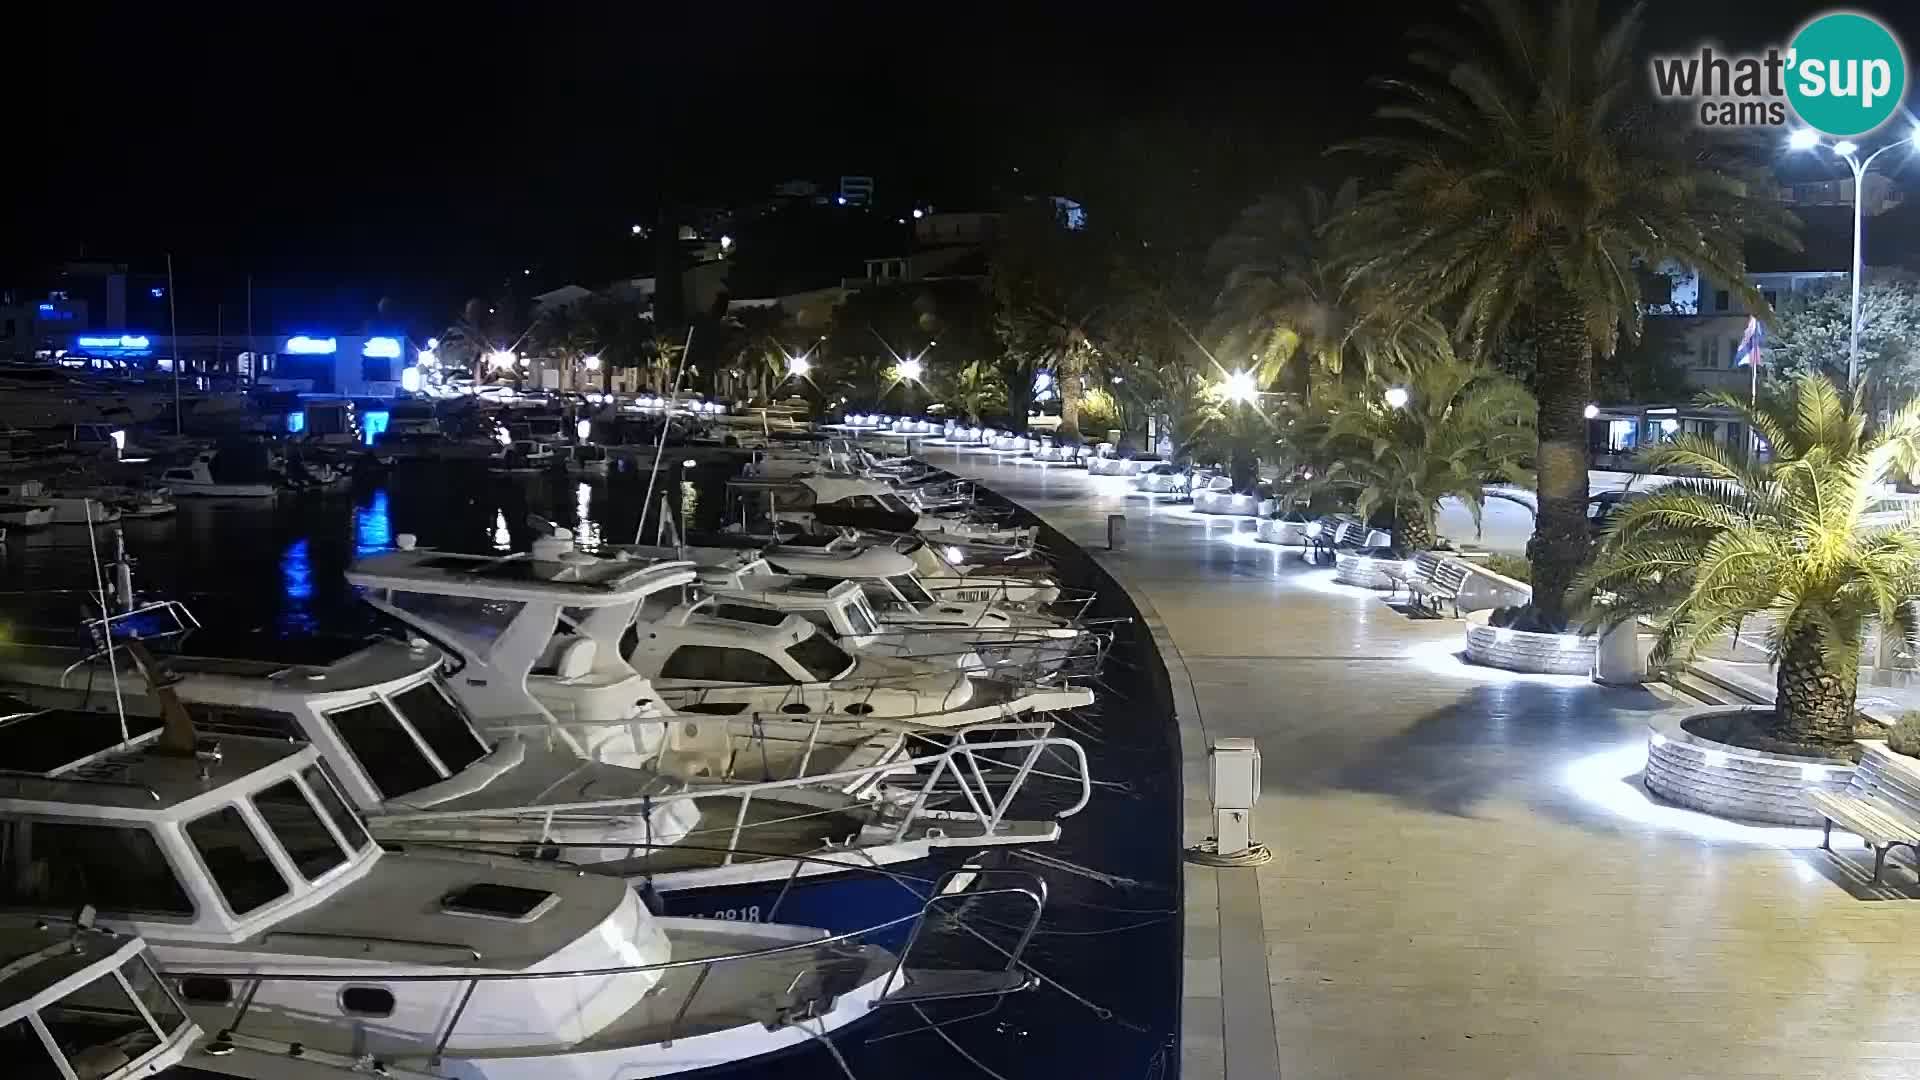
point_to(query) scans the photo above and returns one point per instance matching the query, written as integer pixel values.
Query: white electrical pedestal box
(1234, 785)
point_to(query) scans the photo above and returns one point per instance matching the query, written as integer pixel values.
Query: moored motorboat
(215, 474)
(76, 1001)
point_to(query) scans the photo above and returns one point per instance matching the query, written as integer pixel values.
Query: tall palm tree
(1290, 309)
(1535, 180)
(1462, 425)
(1780, 539)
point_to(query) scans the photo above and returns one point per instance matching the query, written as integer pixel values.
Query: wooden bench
(1864, 811)
(1436, 578)
(1318, 539)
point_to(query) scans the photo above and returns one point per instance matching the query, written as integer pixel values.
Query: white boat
(68, 508)
(305, 946)
(974, 636)
(79, 1002)
(196, 478)
(25, 515)
(522, 456)
(582, 459)
(803, 795)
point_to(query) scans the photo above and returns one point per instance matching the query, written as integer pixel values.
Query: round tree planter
(1895, 777)
(1225, 502)
(1106, 466)
(1275, 531)
(1526, 651)
(1367, 572)
(1731, 781)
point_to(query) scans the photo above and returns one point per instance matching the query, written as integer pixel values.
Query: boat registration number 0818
(735, 914)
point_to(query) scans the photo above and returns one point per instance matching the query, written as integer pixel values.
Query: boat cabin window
(153, 994)
(380, 743)
(821, 618)
(909, 589)
(745, 614)
(366, 1001)
(712, 663)
(26, 1056)
(297, 825)
(206, 990)
(793, 498)
(444, 727)
(238, 720)
(860, 619)
(58, 866)
(821, 658)
(177, 474)
(345, 820)
(236, 860)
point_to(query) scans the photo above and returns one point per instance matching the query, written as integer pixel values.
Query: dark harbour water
(1113, 940)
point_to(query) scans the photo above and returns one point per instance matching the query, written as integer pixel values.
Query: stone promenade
(1469, 883)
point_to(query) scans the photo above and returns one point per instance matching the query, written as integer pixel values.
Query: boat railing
(957, 898)
(973, 764)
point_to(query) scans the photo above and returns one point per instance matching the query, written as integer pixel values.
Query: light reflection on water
(372, 529)
(502, 536)
(296, 576)
(586, 530)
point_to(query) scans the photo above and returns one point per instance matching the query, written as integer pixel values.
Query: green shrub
(1905, 736)
(1513, 566)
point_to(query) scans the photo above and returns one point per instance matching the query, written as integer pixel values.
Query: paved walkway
(1469, 882)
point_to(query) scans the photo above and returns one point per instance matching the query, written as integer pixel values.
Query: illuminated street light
(1591, 411)
(911, 369)
(1240, 387)
(918, 213)
(798, 366)
(636, 230)
(1397, 397)
(592, 362)
(1803, 139)
(433, 343)
(725, 242)
(502, 358)
(1845, 147)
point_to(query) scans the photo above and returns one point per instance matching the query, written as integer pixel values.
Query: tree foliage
(1463, 425)
(1814, 329)
(1780, 540)
(1530, 180)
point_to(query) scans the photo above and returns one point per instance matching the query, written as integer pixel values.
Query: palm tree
(1781, 539)
(1461, 425)
(1535, 183)
(978, 391)
(1288, 306)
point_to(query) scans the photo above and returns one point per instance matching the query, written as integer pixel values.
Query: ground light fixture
(1240, 387)
(1396, 397)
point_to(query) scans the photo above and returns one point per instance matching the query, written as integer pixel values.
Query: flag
(1752, 345)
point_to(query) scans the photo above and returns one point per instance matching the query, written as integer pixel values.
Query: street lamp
(592, 362)
(911, 369)
(1590, 411)
(1240, 387)
(1396, 397)
(501, 358)
(798, 366)
(1849, 152)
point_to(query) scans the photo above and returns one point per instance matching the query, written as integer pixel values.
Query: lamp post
(1849, 152)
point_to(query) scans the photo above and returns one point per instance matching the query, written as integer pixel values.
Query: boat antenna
(106, 619)
(666, 423)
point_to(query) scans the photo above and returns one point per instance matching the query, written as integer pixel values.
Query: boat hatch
(489, 901)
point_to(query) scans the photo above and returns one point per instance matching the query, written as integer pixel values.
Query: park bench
(1434, 579)
(1320, 538)
(1867, 809)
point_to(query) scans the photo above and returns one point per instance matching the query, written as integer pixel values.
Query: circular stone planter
(1732, 781)
(1275, 531)
(1225, 502)
(1366, 571)
(1526, 651)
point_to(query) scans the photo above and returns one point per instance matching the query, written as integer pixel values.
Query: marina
(801, 737)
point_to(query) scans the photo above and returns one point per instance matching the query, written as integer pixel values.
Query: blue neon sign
(302, 345)
(122, 341)
(373, 425)
(381, 348)
(296, 422)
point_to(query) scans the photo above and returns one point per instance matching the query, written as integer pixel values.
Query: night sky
(427, 150)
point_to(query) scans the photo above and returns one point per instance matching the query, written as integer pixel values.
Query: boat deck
(773, 829)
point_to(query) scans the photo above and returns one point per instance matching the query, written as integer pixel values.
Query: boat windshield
(236, 860)
(292, 819)
(822, 659)
(909, 589)
(95, 1023)
(328, 793)
(860, 618)
(393, 762)
(441, 724)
